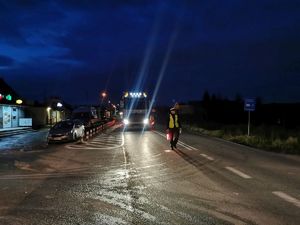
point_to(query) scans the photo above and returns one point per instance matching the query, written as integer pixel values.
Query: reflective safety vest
(171, 121)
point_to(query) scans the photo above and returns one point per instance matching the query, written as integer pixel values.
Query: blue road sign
(250, 104)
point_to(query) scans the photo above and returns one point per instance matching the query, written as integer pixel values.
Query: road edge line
(287, 198)
(237, 172)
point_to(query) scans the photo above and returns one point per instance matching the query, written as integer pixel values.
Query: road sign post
(249, 112)
(249, 105)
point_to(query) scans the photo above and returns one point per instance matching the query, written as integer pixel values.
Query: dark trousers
(174, 136)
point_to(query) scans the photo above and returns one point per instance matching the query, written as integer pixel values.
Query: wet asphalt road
(24, 142)
(134, 178)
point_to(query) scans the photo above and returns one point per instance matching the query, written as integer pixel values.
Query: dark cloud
(6, 61)
(222, 46)
(112, 4)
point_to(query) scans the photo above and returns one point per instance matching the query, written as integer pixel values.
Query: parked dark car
(68, 130)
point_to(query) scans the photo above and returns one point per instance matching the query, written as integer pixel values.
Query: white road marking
(237, 172)
(99, 143)
(124, 151)
(191, 147)
(161, 134)
(287, 198)
(188, 147)
(207, 157)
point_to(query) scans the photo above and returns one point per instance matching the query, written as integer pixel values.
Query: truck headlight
(126, 121)
(146, 121)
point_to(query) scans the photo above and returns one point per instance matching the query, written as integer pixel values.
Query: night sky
(75, 49)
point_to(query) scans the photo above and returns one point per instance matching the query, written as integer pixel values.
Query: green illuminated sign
(8, 97)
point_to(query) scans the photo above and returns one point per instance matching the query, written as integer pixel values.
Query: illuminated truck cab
(136, 110)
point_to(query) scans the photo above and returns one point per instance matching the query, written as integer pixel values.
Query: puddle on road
(168, 151)
(13, 160)
(24, 142)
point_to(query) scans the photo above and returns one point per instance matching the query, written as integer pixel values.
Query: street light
(49, 115)
(103, 96)
(19, 101)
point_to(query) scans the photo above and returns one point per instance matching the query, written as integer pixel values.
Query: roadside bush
(292, 141)
(217, 133)
(277, 144)
(292, 145)
(270, 138)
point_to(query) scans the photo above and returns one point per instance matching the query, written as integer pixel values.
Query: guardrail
(92, 131)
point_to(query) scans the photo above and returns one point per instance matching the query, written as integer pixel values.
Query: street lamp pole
(103, 96)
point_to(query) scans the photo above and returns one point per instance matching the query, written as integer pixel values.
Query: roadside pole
(249, 123)
(249, 105)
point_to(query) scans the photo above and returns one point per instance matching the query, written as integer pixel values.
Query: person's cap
(172, 109)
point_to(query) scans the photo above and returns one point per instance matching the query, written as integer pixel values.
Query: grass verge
(274, 139)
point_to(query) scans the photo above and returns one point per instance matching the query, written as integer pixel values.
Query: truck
(136, 110)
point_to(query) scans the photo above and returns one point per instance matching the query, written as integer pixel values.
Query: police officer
(173, 127)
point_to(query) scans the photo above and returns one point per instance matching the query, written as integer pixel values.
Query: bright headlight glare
(126, 121)
(146, 121)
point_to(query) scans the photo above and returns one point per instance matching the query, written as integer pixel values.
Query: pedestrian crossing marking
(104, 141)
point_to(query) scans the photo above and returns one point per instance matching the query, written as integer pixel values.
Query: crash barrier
(92, 131)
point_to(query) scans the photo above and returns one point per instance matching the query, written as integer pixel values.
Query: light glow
(8, 97)
(135, 94)
(146, 121)
(126, 121)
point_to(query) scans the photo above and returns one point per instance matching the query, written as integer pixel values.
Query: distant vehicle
(88, 115)
(136, 110)
(68, 130)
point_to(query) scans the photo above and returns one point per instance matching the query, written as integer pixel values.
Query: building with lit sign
(12, 111)
(57, 110)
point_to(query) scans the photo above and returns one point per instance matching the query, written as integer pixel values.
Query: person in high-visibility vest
(173, 127)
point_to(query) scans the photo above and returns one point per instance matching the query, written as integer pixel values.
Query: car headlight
(126, 121)
(146, 121)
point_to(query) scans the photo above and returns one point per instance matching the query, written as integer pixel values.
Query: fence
(92, 131)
